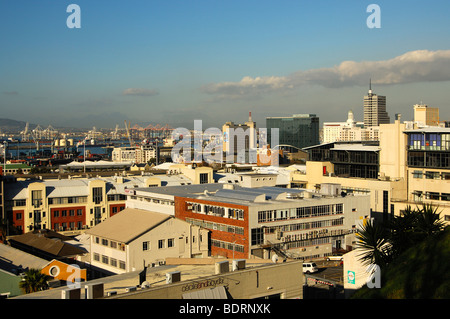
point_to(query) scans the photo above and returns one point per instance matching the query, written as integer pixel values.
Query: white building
(349, 131)
(136, 238)
(141, 154)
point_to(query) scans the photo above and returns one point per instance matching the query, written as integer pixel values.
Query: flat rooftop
(233, 194)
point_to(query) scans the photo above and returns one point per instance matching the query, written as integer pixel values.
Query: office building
(239, 139)
(298, 130)
(375, 109)
(425, 115)
(264, 221)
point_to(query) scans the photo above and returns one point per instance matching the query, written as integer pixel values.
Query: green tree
(34, 281)
(373, 240)
(381, 243)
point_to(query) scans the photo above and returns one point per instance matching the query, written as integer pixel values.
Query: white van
(309, 267)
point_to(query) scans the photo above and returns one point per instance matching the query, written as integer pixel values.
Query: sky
(173, 62)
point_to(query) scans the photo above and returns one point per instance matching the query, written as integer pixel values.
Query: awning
(209, 293)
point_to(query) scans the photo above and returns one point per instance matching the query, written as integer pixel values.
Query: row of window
(67, 200)
(300, 212)
(216, 226)
(419, 196)
(305, 226)
(162, 243)
(63, 226)
(227, 245)
(219, 211)
(64, 213)
(429, 141)
(110, 243)
(431, 175)
(154, 200)
(110, 261)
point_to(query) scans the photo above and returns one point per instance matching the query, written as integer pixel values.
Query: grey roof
(128, 225)
(14, 260)
(356, 147)
(429, 129)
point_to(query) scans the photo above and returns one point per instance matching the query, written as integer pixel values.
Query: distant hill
(422, 272)
(13, 126)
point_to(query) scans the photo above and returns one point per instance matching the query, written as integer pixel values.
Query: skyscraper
(375, 109)
(299, 130)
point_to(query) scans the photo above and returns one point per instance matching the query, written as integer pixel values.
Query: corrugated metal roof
(128, 225)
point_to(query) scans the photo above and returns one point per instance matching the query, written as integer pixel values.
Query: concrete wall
(285, 279)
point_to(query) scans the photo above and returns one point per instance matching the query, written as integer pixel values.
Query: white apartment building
(136, 238)
(349, 131)
(141, 154)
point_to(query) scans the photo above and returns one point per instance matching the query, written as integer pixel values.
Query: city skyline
(177, 61)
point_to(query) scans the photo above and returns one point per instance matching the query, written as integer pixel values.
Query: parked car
(310, 267)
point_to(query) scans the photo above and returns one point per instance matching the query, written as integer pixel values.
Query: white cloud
(411, 67)
(140, 92)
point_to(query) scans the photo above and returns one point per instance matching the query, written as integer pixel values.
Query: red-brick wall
(67, 219)
(21, 221)
(182, 212)
(119, 208)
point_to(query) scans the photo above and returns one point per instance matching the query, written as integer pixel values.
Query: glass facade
(428, 149)
(300, 130)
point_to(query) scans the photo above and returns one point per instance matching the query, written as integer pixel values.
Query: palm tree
(428, 222)
(374, 242)
(383, 243)
(34, 281)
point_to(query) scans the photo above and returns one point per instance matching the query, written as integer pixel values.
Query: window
(161, 244)
(113, 262)
(121, 264)
(96, 257)
(79, 212)
(445, 196)
(113, 244)
(72, 212)
(104, 242)
(97, 195)
(56, 213)
(146, 245)
(417, 174)
(105, 259)
(432, 175)
(203, 178)
(170, 242)
(257, 236)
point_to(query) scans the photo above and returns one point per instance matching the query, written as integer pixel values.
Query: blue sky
(176, 61)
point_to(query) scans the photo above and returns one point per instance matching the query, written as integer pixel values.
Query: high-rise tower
(375, 109)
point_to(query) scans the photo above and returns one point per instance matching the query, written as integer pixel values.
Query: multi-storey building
(255, 222)
(141, 154)
(413, 168)
(426, 116)
(375, 109)
(349, 131)
(299, 130)
(68, 205)
(428, 165)
(138, 238)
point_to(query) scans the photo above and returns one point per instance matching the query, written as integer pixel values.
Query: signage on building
(351, 277)
(202, 284)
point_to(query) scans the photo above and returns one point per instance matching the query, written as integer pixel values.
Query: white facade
(349, 131)
(141, 154)
(137, 238)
